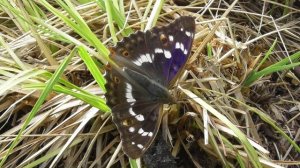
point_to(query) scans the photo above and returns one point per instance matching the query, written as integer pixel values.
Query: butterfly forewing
(172, 47)
(147, 62)
(133, 53)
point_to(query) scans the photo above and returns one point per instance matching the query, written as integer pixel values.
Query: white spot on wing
(177, 45)
(144, 133)
(181, 29)
(158, 50)
(182, 47)
(147, 55)
(131, 112)
(131, 129)
(133, 143)
(185, 52)
(141, 131)
(140, 146)
(128, 86)
(152, 56)
(167, 54)
(171, 38)
(188, 33)
(140, 117)
(128, 94)
(142, 59)
(137, 62)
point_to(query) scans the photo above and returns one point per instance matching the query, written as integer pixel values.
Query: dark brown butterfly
(148, 64)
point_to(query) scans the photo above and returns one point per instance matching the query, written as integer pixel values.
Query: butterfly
(148, 64)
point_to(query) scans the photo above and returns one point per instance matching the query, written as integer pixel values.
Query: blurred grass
(38, 104)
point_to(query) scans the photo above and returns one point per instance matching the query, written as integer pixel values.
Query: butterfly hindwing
(135, 111)
(135, 133)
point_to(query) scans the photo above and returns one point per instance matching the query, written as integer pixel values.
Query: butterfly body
(154, 90)
(148, 63)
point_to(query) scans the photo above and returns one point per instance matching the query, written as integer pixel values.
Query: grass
(238, 90)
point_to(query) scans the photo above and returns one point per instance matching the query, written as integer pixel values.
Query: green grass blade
(38, 104)
(78, 25)
(267, 55)
(272, 123)
(133, 163)
(154, 14)
(91, 65)
(19, 78)
(288, 60)
(118, 17)
(93, 100)
(108, 7)
(50, 155)
(284, 64)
